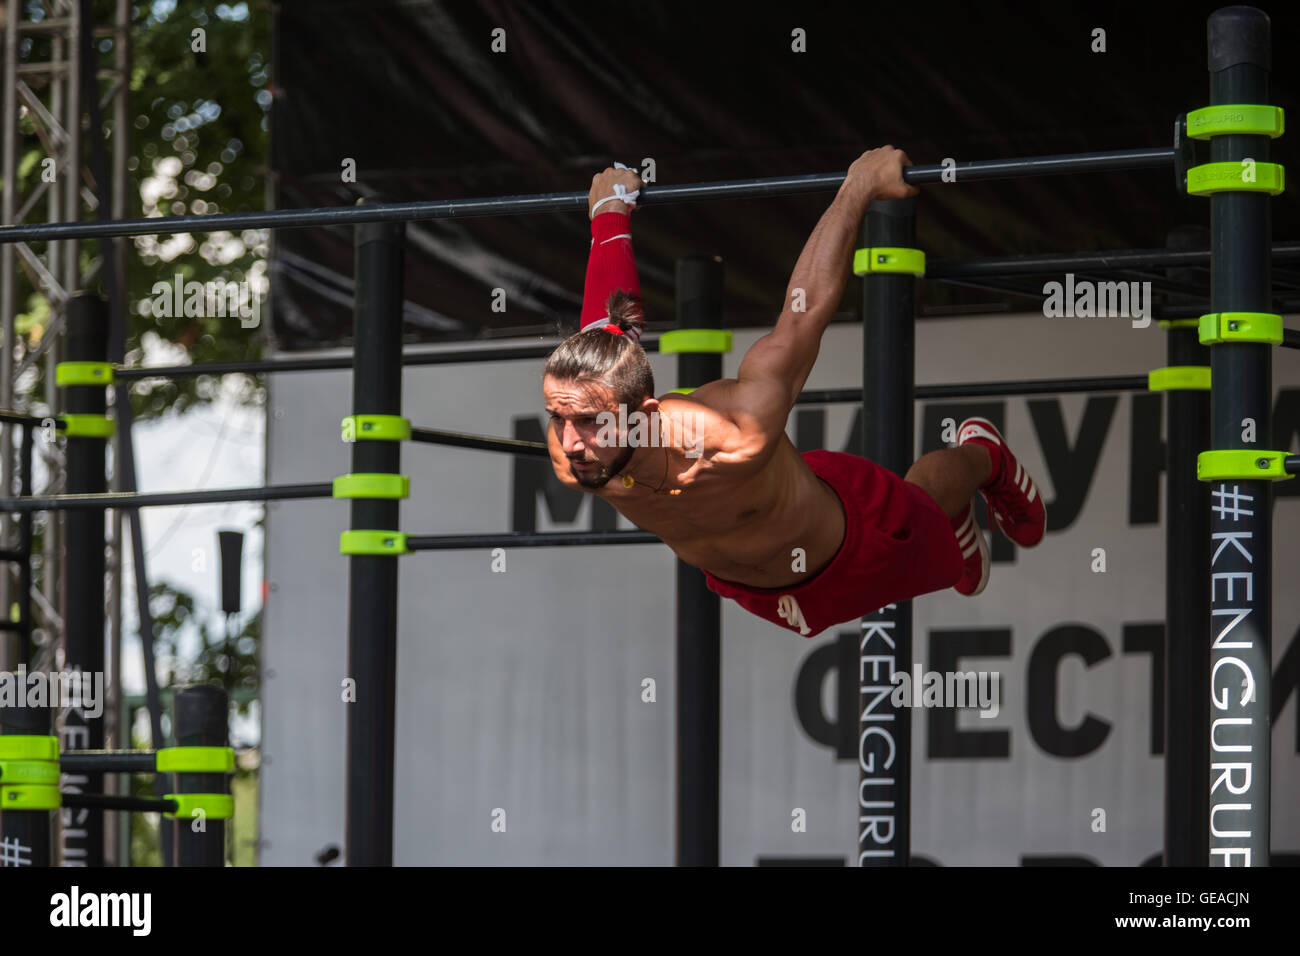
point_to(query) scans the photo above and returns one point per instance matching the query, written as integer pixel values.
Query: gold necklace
(629, 480)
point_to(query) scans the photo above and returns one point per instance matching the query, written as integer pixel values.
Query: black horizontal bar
(1292, 464)
(104, 801)
(1049, 263)
(12, 555)
(17, 418)
(164, 498)
(11, 627)
(513, 446)
(1291, 338)
(560, 202)
(259, 366)
(1040, 386)
(108, 761)
(550, 539)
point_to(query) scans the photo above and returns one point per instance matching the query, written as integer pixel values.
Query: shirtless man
(805, 541)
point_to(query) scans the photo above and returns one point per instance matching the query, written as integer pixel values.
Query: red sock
(996, 459)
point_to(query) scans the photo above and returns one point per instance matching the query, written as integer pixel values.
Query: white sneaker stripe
(974, 430)
(970, 549)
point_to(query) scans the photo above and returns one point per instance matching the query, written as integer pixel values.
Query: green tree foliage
(197, 144)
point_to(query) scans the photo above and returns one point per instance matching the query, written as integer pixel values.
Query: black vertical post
(1187, 596)
(87, 341)
(25, 649)
(231, 546)
(1241, 573)
(699, 610)
(200, 719)
(372, 579)
(888, 438)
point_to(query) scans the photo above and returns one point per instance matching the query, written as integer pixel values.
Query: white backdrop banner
(535, 718)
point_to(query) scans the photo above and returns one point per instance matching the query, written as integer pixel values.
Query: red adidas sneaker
(974, 552)
(1013, 498)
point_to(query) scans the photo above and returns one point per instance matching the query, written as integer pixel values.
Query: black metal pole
(1001, 267)
(512, 446)
(130, 499)
(699, 610)
(372, 578)
(112, 801)
(968, 171)
(25, 537)
(110, 761)
(1241, 572)
(1039, 386)
(200, 718)
(520, 539)
(84, 567)
(509, 353)
(888, 376)
(1187, 601)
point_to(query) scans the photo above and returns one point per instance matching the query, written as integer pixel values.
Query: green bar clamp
(88, 426)
(1240, 118)
(196, 760)
(215, 806)
(28, 747)
(1179, 323)
(1242, 463)
(29, 771)
(696, 340)
(376, 428)
(1179, 378)
(29, 796)
(887, 260)
(682, 391)
(1210, 178)
(1220, 327)
(372, 542)
(378, 485)
(83, 373)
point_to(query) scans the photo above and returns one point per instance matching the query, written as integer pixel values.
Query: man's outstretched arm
(774, 370)
(611, 264)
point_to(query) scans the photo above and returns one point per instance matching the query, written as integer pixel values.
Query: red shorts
(897, 544)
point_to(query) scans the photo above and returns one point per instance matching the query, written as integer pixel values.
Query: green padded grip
(87, 426)
(378, 485)
(1179, 377)
(1261, 327)
(377, 428)
(215, 806)
(28, 747)
(196, 760)
(1241, 118)
(889, 260)
(1242, 464)
(372, 542)
(29, 796)
(695, 340)
(1210, 178)
(29, 771)
(83, 373)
